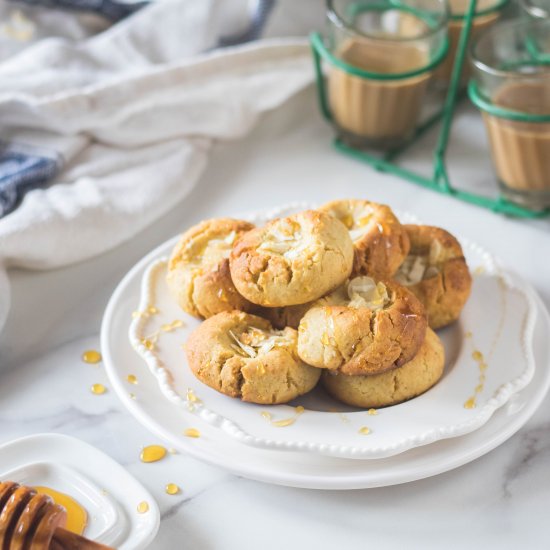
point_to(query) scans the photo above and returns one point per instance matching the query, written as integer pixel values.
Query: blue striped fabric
(21, 170)
(111, 9)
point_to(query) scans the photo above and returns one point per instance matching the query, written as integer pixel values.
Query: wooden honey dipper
(30, 521)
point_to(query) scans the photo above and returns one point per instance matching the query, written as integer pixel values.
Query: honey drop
(364, 430)
(192, 397)
(132, 379)
(149, 344)
(266, 415)
(470, 403)
(192, 432)
(477, 355)
(77, 517)
(372, 412)
(143, 507)
(284, 423)
(91, 356)
(98, 389)
(152, 453)
(172, 489)
(299, 409)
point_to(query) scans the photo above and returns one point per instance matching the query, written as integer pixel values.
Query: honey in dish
(77, 517)
(152, 453)
(521, 150)
(377, 112)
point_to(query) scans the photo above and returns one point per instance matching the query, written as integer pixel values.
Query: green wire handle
(491, 9)
(501, 112)
(439, 181)
(319, 49)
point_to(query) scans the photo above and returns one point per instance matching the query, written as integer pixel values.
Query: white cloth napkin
(132, 114)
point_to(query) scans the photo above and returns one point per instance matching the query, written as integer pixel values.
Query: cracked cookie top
(435, 270)
(292, 260)
(363, 327)
(242, 356)
(379, 240)
(198, 269)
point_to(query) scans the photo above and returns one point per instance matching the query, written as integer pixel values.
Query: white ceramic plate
(108, 493)
(310, 470)
(498, 321)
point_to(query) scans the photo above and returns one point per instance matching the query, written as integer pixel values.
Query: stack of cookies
(344, 293)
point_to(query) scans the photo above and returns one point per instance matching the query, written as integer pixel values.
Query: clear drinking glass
(537, 9)
(512, 88)
(391, 48)
(486, 14)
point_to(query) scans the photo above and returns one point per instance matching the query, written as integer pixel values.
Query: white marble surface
(498, 501)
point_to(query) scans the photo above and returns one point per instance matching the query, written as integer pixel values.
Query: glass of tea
(386, 52)
(511, 86)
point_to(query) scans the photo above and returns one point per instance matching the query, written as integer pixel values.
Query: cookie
(396, 386)
(288, 316)
(198, 270)
(436, 272)
(380, 242)
(364, 327)
(242, 356)
(292, 260)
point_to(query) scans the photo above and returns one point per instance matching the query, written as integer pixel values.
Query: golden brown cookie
(281, 317)
(241, 355)
(436, 272)
(198, 269)
(379, 240)
(395, 386)
(292, 260)
(363, 327)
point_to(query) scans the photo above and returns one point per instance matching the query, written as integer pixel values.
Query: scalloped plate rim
(500, 397)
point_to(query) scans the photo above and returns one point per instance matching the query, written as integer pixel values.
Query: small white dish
(108, 493)
(498, 321)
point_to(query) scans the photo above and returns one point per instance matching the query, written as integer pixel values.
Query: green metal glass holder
(439, 180)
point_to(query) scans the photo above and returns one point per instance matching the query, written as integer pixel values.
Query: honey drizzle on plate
(478, 357)
(192, 432)
(285, 421)
(150, 341)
